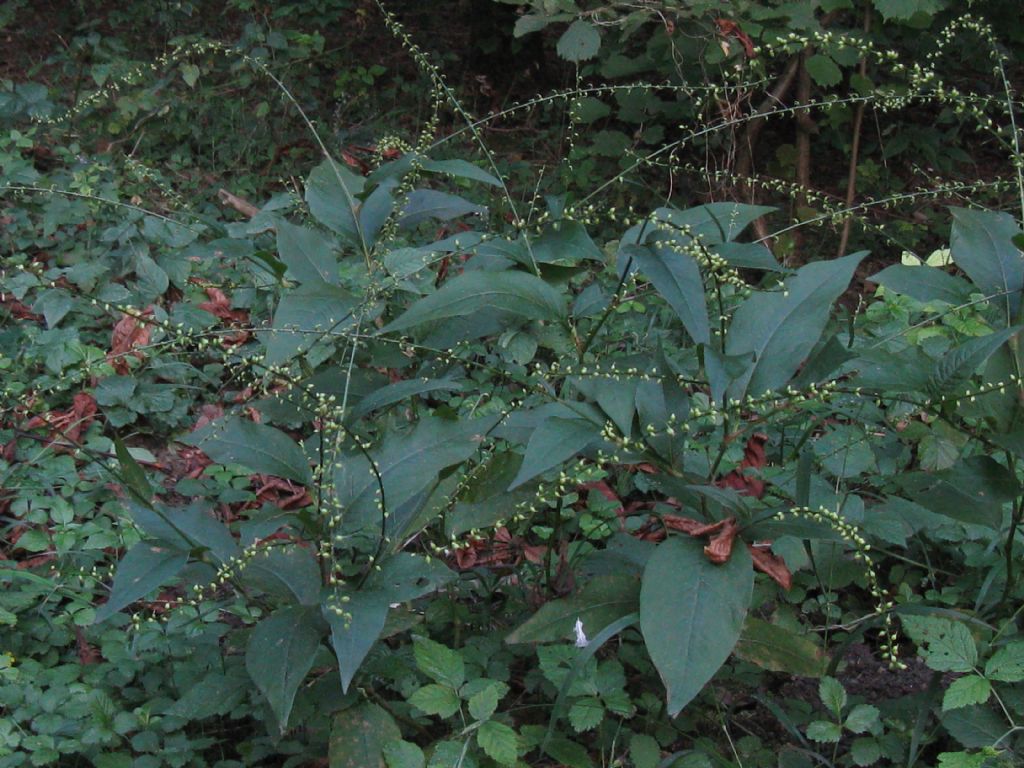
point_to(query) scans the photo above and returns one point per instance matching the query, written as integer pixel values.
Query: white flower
(581, 639)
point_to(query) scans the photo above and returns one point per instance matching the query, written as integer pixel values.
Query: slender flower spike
(581, 638)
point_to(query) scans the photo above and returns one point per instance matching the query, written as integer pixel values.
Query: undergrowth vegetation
(667, 418)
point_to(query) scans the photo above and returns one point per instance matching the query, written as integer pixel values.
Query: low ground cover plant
(401, 464)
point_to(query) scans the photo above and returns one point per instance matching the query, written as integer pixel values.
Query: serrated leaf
(861, 719)
(581, 41)
(256, 447)
(966, 691)
(483, 703)
(568, 753)
(947, 645)
(824, 732)
(498, 742)
(832, 695)
(585, 714)
(435, 699)
(1006, 664)
(554, 442)
(143, 568)
(360, 735)
(865, 751)
(902, 10)
(308, 254)
(644, 751)
(708, 605)
(518, 293)
(403, 754)
(279, 655)
(823, 70)
(438, 662)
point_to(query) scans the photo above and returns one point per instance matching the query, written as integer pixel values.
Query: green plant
(411, 452)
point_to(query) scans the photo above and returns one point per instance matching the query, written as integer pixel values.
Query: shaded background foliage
(171, 350)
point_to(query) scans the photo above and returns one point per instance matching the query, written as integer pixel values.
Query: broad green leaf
(617, 397)
(1007, 664)
(435, 699)
(374, 212)
(498, 742)
(973, 490)
(408, 464)
(308, 254)
(600, 601)
(278, 656)
(426, 204)
(956, 367)
(288, 573)
(982, 246)
(947, 645)
(485, 500)
(134, 476)
(188, 527)
(331, 192)
(781, 328)
(305, 316)
(554, 442)
(519, 293)
(355, 627)
(691, 614)
(566, 243)
(460, 169)
(438, 662)
(579, 42)
(778, 649)
(832, 695)
(677, 278)
(966, 691)
(404, 576)
(924, 283)
(143, 568)
(360, 735)
(399, 391)
(256, 447)
(404, 754)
